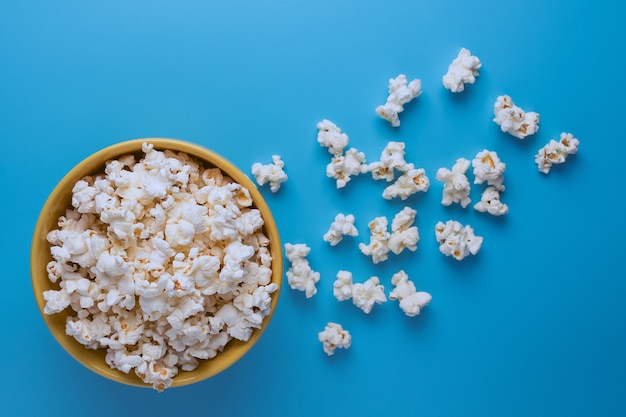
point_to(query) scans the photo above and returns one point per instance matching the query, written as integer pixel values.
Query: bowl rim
(94, 164)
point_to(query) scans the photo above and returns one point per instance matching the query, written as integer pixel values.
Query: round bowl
(60, 200)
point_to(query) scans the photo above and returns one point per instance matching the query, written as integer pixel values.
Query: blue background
(532, 325)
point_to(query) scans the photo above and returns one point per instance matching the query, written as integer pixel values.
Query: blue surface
(535, 324)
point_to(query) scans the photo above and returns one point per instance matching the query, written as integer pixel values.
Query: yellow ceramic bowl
(60, 200)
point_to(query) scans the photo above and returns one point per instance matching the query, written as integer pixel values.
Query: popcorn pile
(163, 262)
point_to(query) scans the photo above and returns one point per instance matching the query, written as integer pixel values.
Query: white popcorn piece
(403, 234)
(343, 225)
(410, 182)
(330, 136)
(456, 187)
(343, 167)
(300, 276)
(490, 202)
(513, 119)
(334, 336)
(411, 300)
(379, 236)
(463, 70)
(457, 240)
(400, 93)
(488, 168)
(273, 173)
(342, 287)
(391, 159)
(556, 152)
(161, 262)
(368, 293)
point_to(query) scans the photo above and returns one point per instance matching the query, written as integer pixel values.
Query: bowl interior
(60, 200)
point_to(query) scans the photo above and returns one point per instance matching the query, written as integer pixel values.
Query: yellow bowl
(60, 200)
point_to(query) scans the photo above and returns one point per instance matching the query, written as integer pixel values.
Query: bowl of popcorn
(156, 263)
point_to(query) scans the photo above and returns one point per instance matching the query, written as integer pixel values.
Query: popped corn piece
(334, 336)
(342, 226)
(410, 182)
(391, 158)
(342, 287)
(556, 152)
(487, 167)
(368, 293)
(456, 187)
(379, 236)
(463, 70)
(490, 202)
(330, 136)
(271, 173)
(411, 300)
(343, 167)
(403, 233)
(457, 240)
(400, 93)
(56, 301)
(513, 119)
(300, 276)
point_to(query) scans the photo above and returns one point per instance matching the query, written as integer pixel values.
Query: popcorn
(300, 276)
(513, 119)
(412, 181)
(556, 152)
(334, 336)
(463, 70)
(364, 295)
(403, 235)
(270, 173)
(342, 226)
(331, 137)
(456, 187)
(457, 240)
(411, 300)
(343, 167)
(379, 236)
(162, 263)
(391, 158)
(490, 202)
(488, 168)
(400, 93)
(368, 293)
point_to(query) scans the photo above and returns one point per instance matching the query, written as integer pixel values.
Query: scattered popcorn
(364, 295)
(300, 276)
(391, 158)
(379, 236)
(343, 167)
(162, 262)
(513, 119)
(456, 187)
(342, 287)
(463, 70)
(334, 336)
(403, 235)
(342, 226)
(411, 300)
(457, 240)
(331, 137)
(490, 202)
(412, 181)
(270, 173)
(488, 168)
(556, 152)
(400, 93)
(368, 293)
